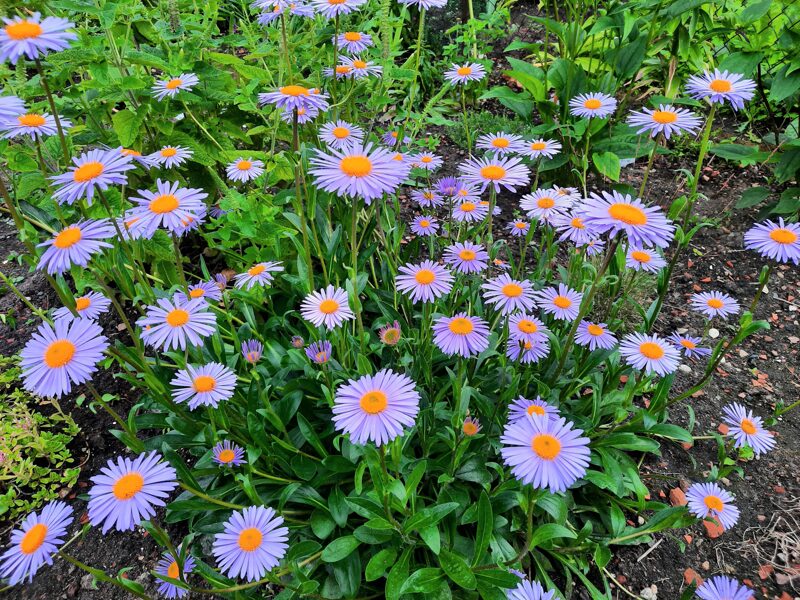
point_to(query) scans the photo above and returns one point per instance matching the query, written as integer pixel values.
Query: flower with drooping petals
(35, 125)
(205, 289)
(461, 334)
(171, 326)
(169, 88)
(527, 328)
(467, 257)
(597, 105)
(561, 302)
(88, 306)
(572, 227)
(497, 171)
(778, 241)
(721, 87)
(205, 385)
(424, 225)
(665, 120)
(714, 304)
(252, 351)
(170, 206)
(424, 282)
(327, 307)
(259, 274)
(252, 543)
(95, 169)
(509, 295)
(644, 259)
(649, 353)
(470, 212)
(448, 186)
(594, 335)
(338, 134)
(746, 429)
(463, 74)
(710, 500)
(390, 138)
(244, 169)
(544, 204)
(529, 590)
(291, 97)
(353, 42)
(424, 4)
(319, 352)
(75, 245)
(501, 143)
(304, 115)
(526, 351)
(688, 345)
(428, 161)
(522, 408)
(228, 454)
(168, 566)
(170, 156)
(125, 492)
(593, 247)
(11, 107)
(613, 212)
(427, 198)
(390, 334)
(333, 8)
(541, 148)
(723, 588)
(34, 37)
(359, 69)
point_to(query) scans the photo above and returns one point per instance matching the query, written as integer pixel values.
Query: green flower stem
(138, 446)
(385, 495)
(299, 205)
(208, 498)
(528, 531)
(52, 104)
(650, 160)
(37, 311)
(104, 578)
(354, 265)
(285, 48)
(272, 477)
(200, 125)
(176, 246)
(762, 282)
(586, 161)
(464, 111)
(413, 89)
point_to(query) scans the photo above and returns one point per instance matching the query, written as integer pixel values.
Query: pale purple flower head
(125, 492)
(468, 193)
(561, 302)
(597, 105)
(467, 257)
(666, 120)
(541, 148)
(509, 295)
(170, 326)
(613, 213)
(170, 156)
(35, 542)
(424, 282)
(35, 125)
(711, 500)
(95, 169)
(290, 97)
(778, 241)
(427, 198)
(428, 161)
(390, 138)
(319, 352)
(448, 186)
(358, 69)
(390, 334)
(518, 228)
(244, 169)
(529, 590)
(527, 351)
(204, 385)
(253, 542)
(593, 247)
(546, 453)
(75, 245)
(461, 334)
(746, 429)
(358, 171)
(463, 74)
(501, 143)
(721, 87)
(424, 4)
(644, 259)
(527, 328)
(60, 355)
(168, 566)
(205, 289)
(170, 206)
(572, 193)
(34, 37)
(228, 454)
(595, 335)
(11, 107)
(424, 225)
(88, 306)
(723, 588)
(572, 227)
(338, 134)
(688, 345)
(714, 304)
(376, 408)
(522, 408)
(259, 274)
(649, 353)
(333, 8)
(169, 88)
(327, 307)
(470, 212)
(353, 42)
(496, 171)
(252, 351)
(545, 204)
(304, 115)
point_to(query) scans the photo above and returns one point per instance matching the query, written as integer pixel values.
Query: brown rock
(764, 571)
(691, 576)
(677, 497)
(713, 528)
(723, 429)
(688, 538)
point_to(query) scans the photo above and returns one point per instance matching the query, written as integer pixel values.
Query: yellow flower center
(204, 383)
(359, 64)
(174, 83)
(173, 570)
(33, 539)
(250, 539)
(352, 36)
(545, 202)
(373, 402)
(721, 86)
(164, 204)
(534, 409)
(82, 303)
(595, 329)
(512, 290)
(639, 256)
(59, 353)
(464, 71)
(783, 236)
(715, 303)
(688, 344)
(651, 350)
(256, 270)
(226, 456)
(197, 293)
(177, 317)
(520, 224)
(294, 90)
(343, 69)
(356, 166)
(493, 172)
(546, 446)
(244, 165)
(592, 104)
(714, 503)
(467, 207)
(665, 116)
(466, 255)
(127, 486)
(628, 214)
(169, 152)
(31, 120)
(68, 238)
(461, 326)
(328, 306)
(23, 30)
(340, 133)
(301, 111)
(500, 142)
(425, 276)
(577, 223)
(562, 302)
(129, 152)
(424, 223)
(426, 159)
(538, 146)
(469, 428)
(391, 336)
(748, 426)
(88, 171)
(527, 326)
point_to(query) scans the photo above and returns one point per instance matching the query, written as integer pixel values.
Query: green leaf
(607, 164)
(126, 126)
(429, 516)
(630, 57)
(340, 548)
(457, 569)
(752, 196)
(430, 535)
(379, 564)
(423, 581)
(485, 525)
(321, 523)
(788, 165)
(550, 531)
(784, 84)
(754, 12)
(397, 576)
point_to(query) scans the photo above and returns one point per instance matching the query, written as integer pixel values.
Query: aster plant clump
(365, 366)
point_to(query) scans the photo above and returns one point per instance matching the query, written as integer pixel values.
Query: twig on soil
(649, 550)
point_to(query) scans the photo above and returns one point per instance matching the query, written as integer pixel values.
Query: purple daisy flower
(376, 408)
(252, 351)
(11, 107)
(571, 226)
(467, 257)
(779, 241)
(258, 274)
(714, 304)
(461, 334)
(572, 193)
(34, 125)
(526, 351)
(497, 171)
(522, 408)
(75, 245)
(60, 355)
(612, 212)
(227, 454)
(244, 169)
(529, 590)
(546, 453)
(468, 193)
(319, 352)
(541, 148)
(361, 68)
(353, 42)
(666, 120)
(470, 426)
(501, 143)
(597, 105)
(428, 161)
(327, 307)
(721, 87)
(304, 115)
(470, 212)
(252, 543)
(169, 88)
(427, 198)
(291, 97)
(509, 295)
(463, 74)
(170, 156)
(297, 9)
(644, 259)
(527, 328)
(35, 542)
(426, 281)
(561, 302)
(135, 155)
(125, 493)
(358, 170)
(723, 588)
(89, 306)
(544, 204)
(747, 430)
(168, 566)
(390, 334)
(424, 4)
(424, 225)
(518, 228)
(171, 326)
(205, 289)
(485, 203)
(170, 206)
(33, 36)
(649, 353)
(710, 500)
(338, 134)
(206, 385)
(333, 8)
(594, 335)
(390, 138)
(688, 345)
(448, 186)
(93, 169)
(593, 247)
